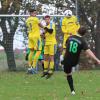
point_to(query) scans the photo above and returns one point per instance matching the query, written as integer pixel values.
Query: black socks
(70, 82)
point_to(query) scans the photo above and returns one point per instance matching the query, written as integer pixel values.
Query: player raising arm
(34, 40)
(49, 47)
(69, 26)
(75, 44)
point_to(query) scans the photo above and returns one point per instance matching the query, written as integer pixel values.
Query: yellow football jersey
(50, 38)
(70, 25)
(33, 28)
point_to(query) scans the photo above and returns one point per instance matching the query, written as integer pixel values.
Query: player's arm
(41, 25)
(90, 53)
(45, 28)
(63, 27)
(77, 23)
(48, 30)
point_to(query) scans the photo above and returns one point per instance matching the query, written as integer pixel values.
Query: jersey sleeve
(63, 27)
(37, 20)
(85, 45)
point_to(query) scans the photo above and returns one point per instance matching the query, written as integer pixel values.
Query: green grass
(20, 86)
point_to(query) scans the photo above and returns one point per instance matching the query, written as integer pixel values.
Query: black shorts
(67, 69)
(68, 64)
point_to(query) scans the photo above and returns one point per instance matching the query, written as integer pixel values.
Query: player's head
(47, 19)
(68, 13)
(82, 30)
(33, 12)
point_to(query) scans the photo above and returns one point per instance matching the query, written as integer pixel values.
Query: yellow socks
(36, 59)
(46, 65)
(30, 58)
(51, 64)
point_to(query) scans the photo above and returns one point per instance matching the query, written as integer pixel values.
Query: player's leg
(31, 47)
(52, 52)
(70, 82)
(46, 61)
(68, 71)
(38, 48)
(51, 66)
(35, 60)
(30, 61)
(30, 56)
(41, 59)
(51, 59)
(46, 65)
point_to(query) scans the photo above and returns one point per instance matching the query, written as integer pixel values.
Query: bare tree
(9, 7)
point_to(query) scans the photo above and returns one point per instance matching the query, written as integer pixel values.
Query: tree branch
(98, 15)
(1, 43)
(14, 27)
(3, 27)
(82, 10)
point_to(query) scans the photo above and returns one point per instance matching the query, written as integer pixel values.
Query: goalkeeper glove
(48, 30)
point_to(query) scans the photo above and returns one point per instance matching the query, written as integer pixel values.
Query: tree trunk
(10, 59)
(10, 53)
(9, 7)
(97, 46)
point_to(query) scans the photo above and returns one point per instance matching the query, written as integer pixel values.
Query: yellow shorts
(50, 49)
(35, 43)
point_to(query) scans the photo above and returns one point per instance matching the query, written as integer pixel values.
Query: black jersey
(74, 45)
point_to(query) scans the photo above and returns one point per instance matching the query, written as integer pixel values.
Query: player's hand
(70, 34)
(45, 28)
(48, 30)
(98, 62)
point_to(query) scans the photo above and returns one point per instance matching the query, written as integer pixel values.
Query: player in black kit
(74, 45)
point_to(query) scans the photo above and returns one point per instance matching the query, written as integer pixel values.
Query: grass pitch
(20, 86)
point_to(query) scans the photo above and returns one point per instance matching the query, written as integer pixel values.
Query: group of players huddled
(42, 35)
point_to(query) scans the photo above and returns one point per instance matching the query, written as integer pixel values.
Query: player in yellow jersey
(69, 26)
(49, 47)
(34, 43)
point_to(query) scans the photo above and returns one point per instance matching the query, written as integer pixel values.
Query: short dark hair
(47, 16)
(82, 30)
(32, 10)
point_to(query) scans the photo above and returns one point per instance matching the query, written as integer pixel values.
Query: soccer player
(33, 27)
(75, 44)
(49, 47)
(69, 26)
